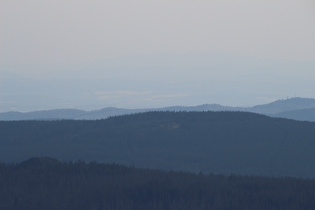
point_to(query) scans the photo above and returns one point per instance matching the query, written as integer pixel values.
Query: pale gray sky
(149, 53)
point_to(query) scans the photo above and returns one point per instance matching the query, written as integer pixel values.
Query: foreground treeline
(43, 183)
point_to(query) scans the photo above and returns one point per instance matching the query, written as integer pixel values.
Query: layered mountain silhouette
(293, 108)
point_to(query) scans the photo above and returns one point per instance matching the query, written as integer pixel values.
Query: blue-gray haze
(140, 54)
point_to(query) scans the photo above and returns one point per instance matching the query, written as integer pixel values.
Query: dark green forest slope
(215, 142)
(45, 183)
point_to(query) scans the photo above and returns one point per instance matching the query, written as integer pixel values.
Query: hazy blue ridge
(103, 113)
(279, 108)
(42, 115)
(283, 106)
(301, 114)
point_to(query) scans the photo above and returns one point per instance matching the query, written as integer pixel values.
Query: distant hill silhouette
(271, 109)
(300, 114)
(283, 106)
(54, 114)
(217, 142)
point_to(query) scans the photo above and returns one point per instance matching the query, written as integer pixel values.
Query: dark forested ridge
(45, 183)
(211, 142)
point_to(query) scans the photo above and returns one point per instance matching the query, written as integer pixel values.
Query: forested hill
(216, 142)
(44, 183)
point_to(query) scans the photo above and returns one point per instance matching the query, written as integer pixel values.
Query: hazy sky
(152, 53)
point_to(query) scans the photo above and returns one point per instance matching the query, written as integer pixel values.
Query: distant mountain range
(294, 108)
